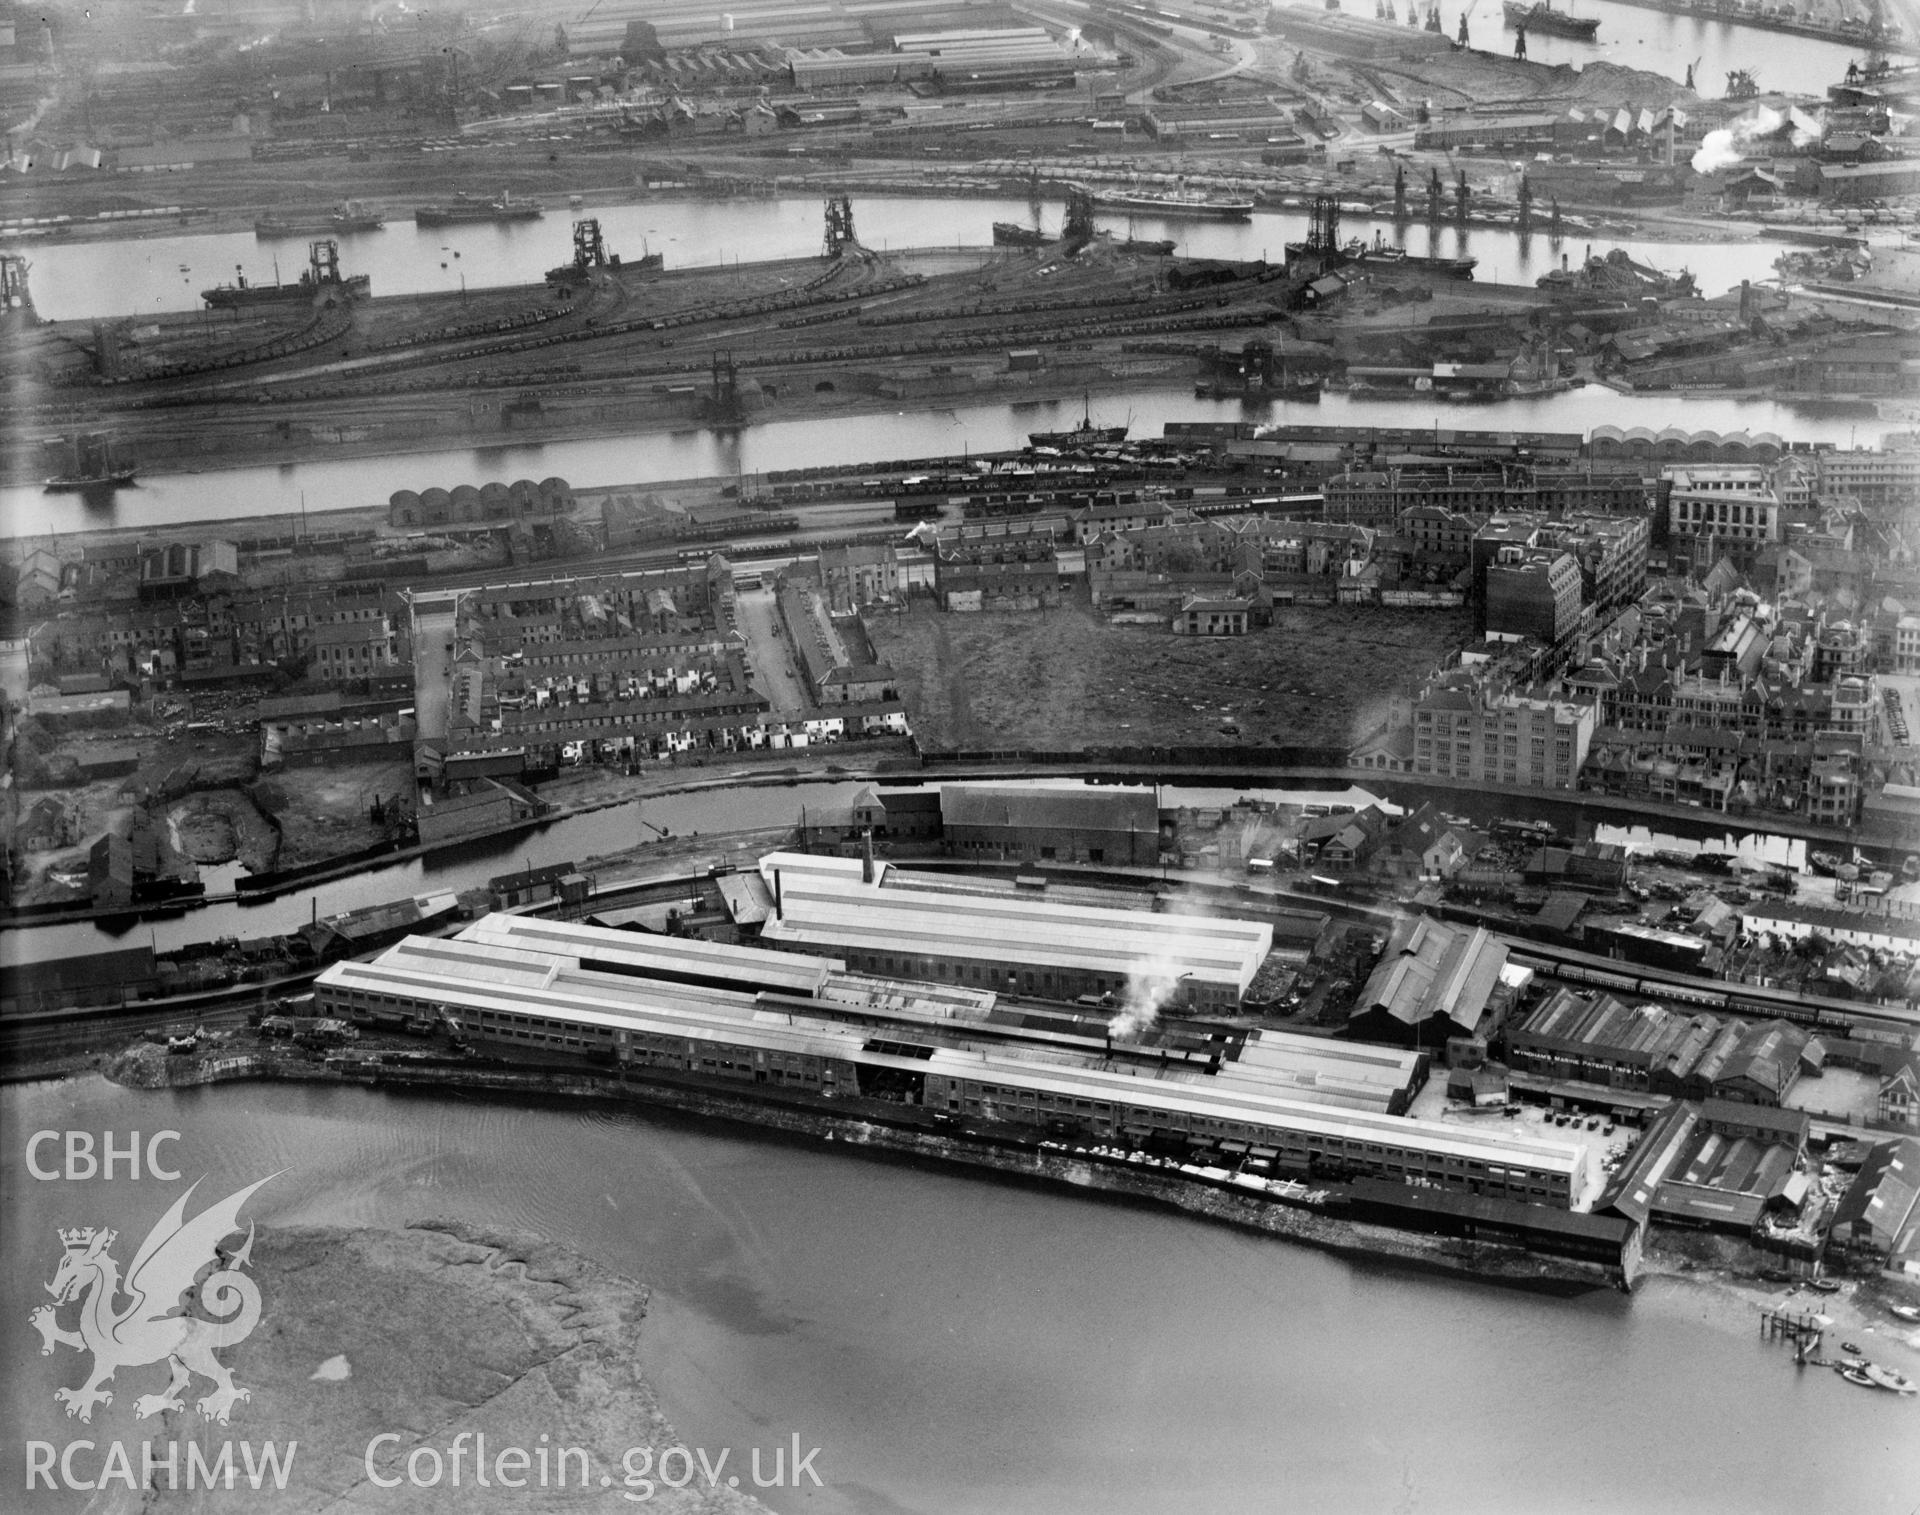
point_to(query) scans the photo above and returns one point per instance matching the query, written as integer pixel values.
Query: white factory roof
(463, 975)
(1233, 1102)
(751, 968)
(1315, 1067)
(836, 909)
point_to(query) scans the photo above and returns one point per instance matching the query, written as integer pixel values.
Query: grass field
(1067, 679)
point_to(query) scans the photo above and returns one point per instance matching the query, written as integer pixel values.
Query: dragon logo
(187, 1298)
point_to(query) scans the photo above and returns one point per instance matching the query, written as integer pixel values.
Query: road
(759, 621)
(433, 633)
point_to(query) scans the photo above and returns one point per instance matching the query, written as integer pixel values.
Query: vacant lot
(324, 812)
(1067, 679)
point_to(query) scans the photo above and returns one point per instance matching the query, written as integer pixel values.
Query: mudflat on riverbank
(411, 1340)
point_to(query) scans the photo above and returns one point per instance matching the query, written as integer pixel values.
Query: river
(175, 501)
(82, 280)
(956, 1344)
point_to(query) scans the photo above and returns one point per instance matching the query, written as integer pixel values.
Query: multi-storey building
(1379, 495)
(1533, 592)
(354, 649)
(860, 574)
(1611, 552)
(1731, 510)
(1009, 574)
(1462, 731)
(1840, 649)
(1570, 491)
(1906, 644)
(1880, 479)
(1436, 529)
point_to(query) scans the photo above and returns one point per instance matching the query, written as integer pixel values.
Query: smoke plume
(1149, 987)
(1727, 145)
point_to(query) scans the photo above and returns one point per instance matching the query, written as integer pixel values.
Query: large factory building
(1026, 944)
(787, 1027)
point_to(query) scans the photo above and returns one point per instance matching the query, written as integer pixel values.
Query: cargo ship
(1541, 17)
(1086, 434)
(321, 278)
(1250, 391)
(1012, 234)
(576, 273)
(1175, 202)
(464, 209)
(1381, 254)
(590, 252)
(92, 464)
(342, 219)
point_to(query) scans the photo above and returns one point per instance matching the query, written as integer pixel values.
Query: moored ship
(463, 209)
(1012, 234)
(1382, 254)
(1543, 18)
(1086, 434)
(590, 252)
(90, 462)
(1175, 202)
(345, 218)
(321, 278)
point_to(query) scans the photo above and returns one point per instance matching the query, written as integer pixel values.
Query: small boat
(1905, 1312)
(1824, 1285)
(1888, 1379)
(1852, 1348)
(1825, 863)
(1857, 1376)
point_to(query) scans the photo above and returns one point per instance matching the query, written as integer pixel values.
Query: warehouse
(1028, 945)
(1713, 1164)
(551, 1002)
(1002, 822)
(1432, 983)
(1603, 1040)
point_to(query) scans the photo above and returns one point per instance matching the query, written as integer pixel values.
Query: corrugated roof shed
(1885, 1195)
(1430, 969)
